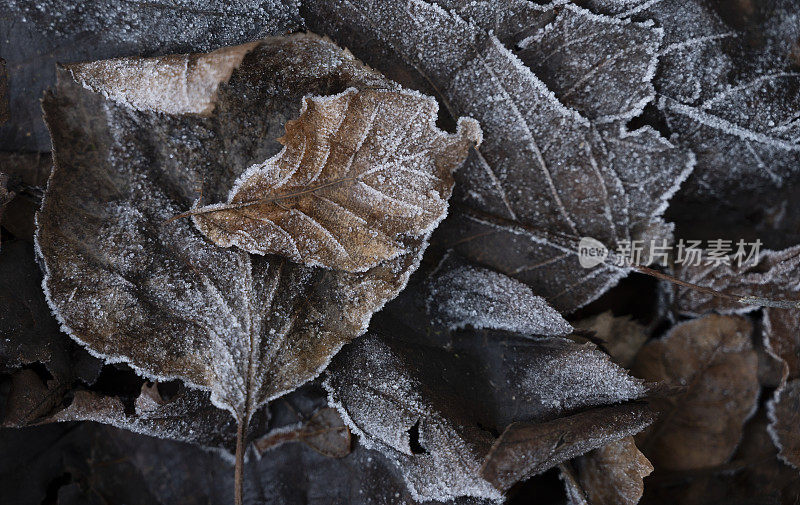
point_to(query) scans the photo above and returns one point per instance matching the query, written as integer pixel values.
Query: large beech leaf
(713, 359)
(436, 410)
(362, 173)
(544, 176)
(134, 286)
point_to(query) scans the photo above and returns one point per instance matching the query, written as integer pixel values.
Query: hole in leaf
(413, 440)
(652, 117)
(168, 390)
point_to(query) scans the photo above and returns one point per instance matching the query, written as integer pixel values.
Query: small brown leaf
(525, 449)
(360, 170)
(621, 335)
(325, 432)
(610, 475)
(713, 359)
(29, 398)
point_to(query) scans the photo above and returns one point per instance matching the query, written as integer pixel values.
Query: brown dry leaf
(325, 432)
(774, 276)
(133, 286)
(754, 475)
(360, 174)
(29, 397)
(525, 449)
(610, 475)
(782, 341)
(712, 359)
(622, 336)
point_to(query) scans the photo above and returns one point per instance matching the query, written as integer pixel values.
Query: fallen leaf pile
(331, 251)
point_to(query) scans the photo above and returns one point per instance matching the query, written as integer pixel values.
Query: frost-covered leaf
(774, 276)
(35, 34)
(746, 136)
(784, 428)
(510, 21)
(734, 104)
(598, 65)
(693, 59)
(362, 174)
(544, 177)
(436, 410)
(133, 286)
(713, 359)
(622, 336)
(461, 294)
(782, 338)
(187, 416)
(782, 341)
(525, 449)
(610, 475)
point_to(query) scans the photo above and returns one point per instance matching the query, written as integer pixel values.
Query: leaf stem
(743, 299)
(238, 481)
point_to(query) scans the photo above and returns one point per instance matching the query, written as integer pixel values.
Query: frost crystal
(462, 295)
